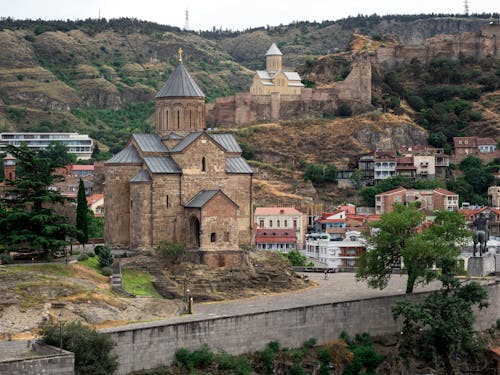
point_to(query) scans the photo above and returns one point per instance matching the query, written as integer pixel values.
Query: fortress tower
(273, 59)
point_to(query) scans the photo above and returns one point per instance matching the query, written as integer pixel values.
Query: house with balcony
(287, 218)
(281, 240)
(405, 167)
(427, 200)
(384, 165)
(486, 145)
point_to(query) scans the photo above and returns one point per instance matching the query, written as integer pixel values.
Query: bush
(297, 370)
(82, 257)
(202, 357)
(105, 257)
(266, 357)
(239, 365)
(171, 250)
(183, 357)
(344, 110)
(274, 346)
(90, 254)
(98, 249)
(106, 271)
(310, 343)
(92, 349)
(6, 259)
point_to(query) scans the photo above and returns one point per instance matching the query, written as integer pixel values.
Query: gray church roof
(180, 84)
(161, 164)
(188, 139)
(203, 197)
(227, 141)
(142, 176)
(150, 142)
(237, 165)
(128, 155)
(273, 50)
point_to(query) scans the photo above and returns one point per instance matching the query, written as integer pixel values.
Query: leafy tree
(28, 218)
(58, 154)
(399, 239)
(82, 223)
(476, 174)
(296, 259)
(92, 349)
(319, 173)
(442, 325)
(344, 110)
(105, 257)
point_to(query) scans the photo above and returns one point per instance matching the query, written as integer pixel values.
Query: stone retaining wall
(149, 345)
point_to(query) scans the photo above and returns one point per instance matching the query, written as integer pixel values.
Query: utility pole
(466, 7)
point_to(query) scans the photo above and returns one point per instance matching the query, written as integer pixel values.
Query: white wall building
(282, 218)
(337, 254)
(79, 144)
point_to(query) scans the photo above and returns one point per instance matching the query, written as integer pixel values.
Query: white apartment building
(337, 254)
(79, 144)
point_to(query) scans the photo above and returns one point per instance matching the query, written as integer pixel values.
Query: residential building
(282, 240)
(486, 145)
(494, 196)
(430, 162)
(384, 165)
(428, 200)
(405, 167)
(336, 253)
(465, 146)
(366, 168)
(491, 213)
(79, 144)
(96, 204)
(81, 170)
(288, 218)
(274, 79)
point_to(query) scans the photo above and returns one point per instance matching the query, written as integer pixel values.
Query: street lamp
(60, 331)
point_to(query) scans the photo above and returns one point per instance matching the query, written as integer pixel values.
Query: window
(213, 237)
(203, 164)
(295, 223)
(178, 119)
(168, 201)
(261, 223)
(278, 223)
(286, 223)
(270, 223)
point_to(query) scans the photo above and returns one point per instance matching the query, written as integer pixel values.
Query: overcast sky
(232, 14)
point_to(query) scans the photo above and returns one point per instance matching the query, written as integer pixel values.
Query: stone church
(179, 183)
(274, 78)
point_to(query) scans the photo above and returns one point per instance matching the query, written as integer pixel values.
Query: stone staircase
(116, 280)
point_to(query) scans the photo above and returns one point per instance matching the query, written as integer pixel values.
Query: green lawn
(139, 283)
(92, 263)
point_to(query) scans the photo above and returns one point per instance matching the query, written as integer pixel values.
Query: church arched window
(203, 164)
(178, 119)
(167, 117)
(168, 201)
(190, 119)
(213, 237)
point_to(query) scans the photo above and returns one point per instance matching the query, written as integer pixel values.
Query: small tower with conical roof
(180, 104)
(273, 59)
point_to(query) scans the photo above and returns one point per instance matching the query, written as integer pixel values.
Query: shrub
(183, 357)
(310, 343)
(416, 102)
(297, 370)
(92, 349)
(238, 364)
(202, 357)
(98, 249)
(106, 271)
(171, 250)
(6, 259)
(266, 357)
(82, 257)
(105, 257)
(344, 110)
(90, 254)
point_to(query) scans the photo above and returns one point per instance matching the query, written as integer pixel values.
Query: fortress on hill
(276, 94)
(180, 183)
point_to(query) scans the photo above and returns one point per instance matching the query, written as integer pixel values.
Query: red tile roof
(276, 211)
(275, 236)
(393, 191)
(78, 167)
(444, 191)
(486, 141)
(464, 142)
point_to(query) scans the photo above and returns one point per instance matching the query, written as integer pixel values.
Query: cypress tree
(81, 215)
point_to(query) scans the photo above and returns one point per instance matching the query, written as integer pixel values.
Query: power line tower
(186, 23)
(466, 7)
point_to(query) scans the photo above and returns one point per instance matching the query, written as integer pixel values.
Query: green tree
(28, 218)
(105, 257)
(82, 221)
(399, 239)
(442, 326)
(296, 259)
(58, 154)
(92, 349)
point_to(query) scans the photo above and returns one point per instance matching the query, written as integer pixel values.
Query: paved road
(338, 287)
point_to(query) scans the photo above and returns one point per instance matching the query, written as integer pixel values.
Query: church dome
(180, 84)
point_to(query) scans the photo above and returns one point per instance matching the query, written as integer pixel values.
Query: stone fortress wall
(244, 108)
(149, 345)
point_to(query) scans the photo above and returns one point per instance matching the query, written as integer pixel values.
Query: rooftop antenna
(466, 7)
(186, 23)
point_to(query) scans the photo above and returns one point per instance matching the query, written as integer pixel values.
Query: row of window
(278, 223)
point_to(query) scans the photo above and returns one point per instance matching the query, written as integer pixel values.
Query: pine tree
(81, 215)
(28, 219)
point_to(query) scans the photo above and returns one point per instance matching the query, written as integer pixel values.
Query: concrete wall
(46, 360)
(149, 345)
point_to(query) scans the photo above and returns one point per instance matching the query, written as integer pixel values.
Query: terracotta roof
(275, 236)
(9, 157)
(332, 220)
(468, 212)
(406, 168)
(94, 198)
(393, 191)
(78, 167)
(496, 350)
(444, 191)
(460, 142)
(276, 211)
(486, 141)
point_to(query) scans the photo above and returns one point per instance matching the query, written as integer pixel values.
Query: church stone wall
(219, 216)
(239, 189)
(140, 223)
(167, 221)
(117, 204)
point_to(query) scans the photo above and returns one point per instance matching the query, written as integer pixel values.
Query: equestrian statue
(481, 235)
